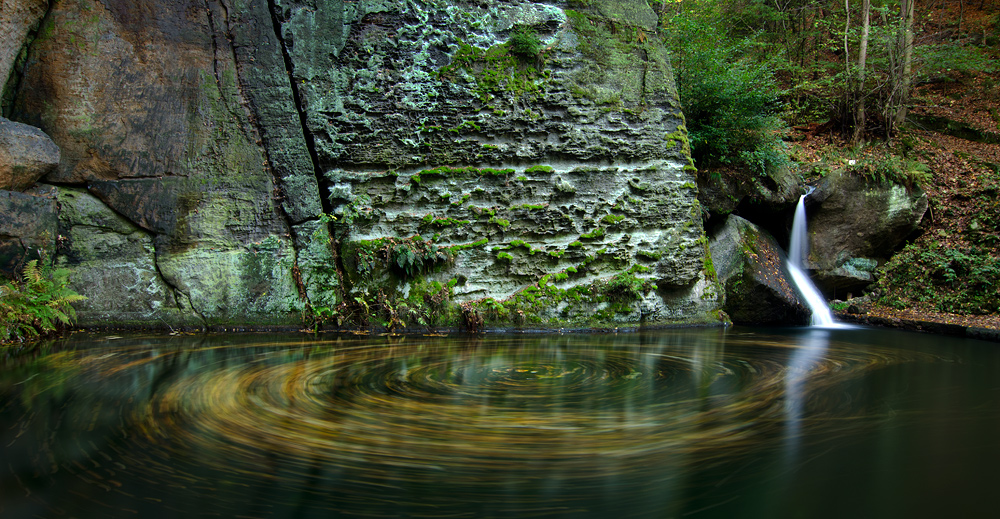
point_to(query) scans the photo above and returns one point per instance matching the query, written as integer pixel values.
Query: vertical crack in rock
(310, 143)
(215, 45)
(279, 194)
(299, 105)
(10, 86)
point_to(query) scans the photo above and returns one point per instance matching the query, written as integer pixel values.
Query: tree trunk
(859, 97)
(906, 12)
(849, 90)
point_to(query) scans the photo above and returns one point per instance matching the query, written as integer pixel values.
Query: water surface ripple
(537, 425)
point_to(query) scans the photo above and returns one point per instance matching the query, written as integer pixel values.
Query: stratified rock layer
(373, 162)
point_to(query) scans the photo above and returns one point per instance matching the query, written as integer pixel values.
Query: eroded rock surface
(257, 162)
(751, 267)
(855, 224)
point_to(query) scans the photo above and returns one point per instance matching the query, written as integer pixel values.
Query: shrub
(888, 168)
(36, 302)
(964, 281)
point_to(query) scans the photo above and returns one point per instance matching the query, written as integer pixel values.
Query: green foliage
(539, 169)
(945, 58)
(625, 286)
(965, 281)
(512, 67)
(406, 257)
(884, 167)
(524, 43)
(36, 302)
(731, 101)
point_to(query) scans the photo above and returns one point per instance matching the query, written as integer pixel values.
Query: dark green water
(694, 423)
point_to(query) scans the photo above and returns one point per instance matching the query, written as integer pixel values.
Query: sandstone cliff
(418, 163)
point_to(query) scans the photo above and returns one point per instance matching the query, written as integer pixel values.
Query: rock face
(417, 163)
(26, 155)
(28, 226)
(854, 225)
(751, 267)
(20, 18)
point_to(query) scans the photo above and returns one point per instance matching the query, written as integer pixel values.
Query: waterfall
(798, 250)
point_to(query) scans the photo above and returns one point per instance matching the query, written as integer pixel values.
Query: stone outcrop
(757, 195)
(855, 225)
(418, 163)
(26, 155)
(751, 267)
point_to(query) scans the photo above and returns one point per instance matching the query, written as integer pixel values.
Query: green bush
(732, 103)
(964, 281)
(36, 302)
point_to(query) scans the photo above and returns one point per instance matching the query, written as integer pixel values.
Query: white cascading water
(798, 249)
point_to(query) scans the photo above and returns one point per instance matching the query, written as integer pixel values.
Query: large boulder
(856, 224)
(26, 155)
(751, 267)
(147, 102)
(527, 157)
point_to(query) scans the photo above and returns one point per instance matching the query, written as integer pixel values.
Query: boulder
(28, 227)
(272, 158)
(26, 155)
(751, 267)
(855, 224)
(772, 194)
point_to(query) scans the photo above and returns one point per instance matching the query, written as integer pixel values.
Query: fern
(36, 302)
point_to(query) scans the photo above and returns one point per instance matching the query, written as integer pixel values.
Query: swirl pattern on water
(379, 414)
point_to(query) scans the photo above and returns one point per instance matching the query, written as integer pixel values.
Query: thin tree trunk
(906, 11)
(859, 97)
(848, 88)
(961, 17)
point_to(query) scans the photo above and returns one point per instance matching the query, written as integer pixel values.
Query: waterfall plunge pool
(703, 423)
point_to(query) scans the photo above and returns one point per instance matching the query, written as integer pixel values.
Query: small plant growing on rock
(524, 43)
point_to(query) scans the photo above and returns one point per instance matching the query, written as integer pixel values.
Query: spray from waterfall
(798, 250)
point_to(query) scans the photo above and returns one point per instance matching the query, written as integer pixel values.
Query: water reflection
(813, 344)
(654, 424)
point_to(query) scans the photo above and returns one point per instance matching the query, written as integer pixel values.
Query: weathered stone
(549, 189)
(28, 227)
(145, 100)
(751, 266)
(449, 161)
(113, 262)
(852, 219)
(19, 18)
(755, 194)
(26, 155)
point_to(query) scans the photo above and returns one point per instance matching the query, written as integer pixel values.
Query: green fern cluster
(37, 302)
